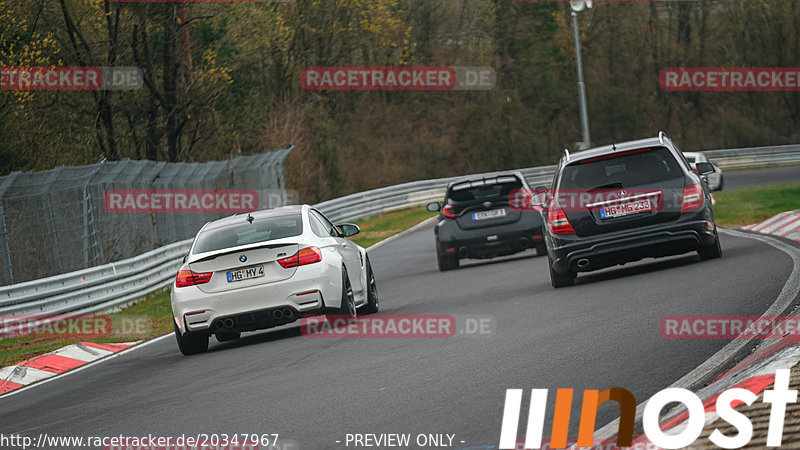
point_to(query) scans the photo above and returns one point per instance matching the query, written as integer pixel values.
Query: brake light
(308, 255)
(692, 198)
(188, 278)
(449, 211)
(558, 222)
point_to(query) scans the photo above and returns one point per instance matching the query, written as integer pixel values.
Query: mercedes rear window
(261, 230)
(626, 169)
(480, 190)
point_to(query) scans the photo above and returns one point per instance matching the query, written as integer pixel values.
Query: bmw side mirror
(705, 168)
(434, 207)
(349, 229)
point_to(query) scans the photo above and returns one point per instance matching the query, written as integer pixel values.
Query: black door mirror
(541, 196)
(704, 168)
(349, 229)
(434, 207)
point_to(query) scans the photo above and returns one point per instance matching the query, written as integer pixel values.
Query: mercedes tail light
(558, 222)
(692, 198)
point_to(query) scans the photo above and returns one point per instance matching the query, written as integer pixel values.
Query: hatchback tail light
(558, 222)
(188, 278)
(692, 198)
(308, 255)
(449, 211)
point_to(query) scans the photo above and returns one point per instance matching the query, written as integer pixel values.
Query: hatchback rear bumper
(489, 242)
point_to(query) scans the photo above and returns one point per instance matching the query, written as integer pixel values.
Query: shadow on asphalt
(641, 268)
(498, 260)
(256, 338)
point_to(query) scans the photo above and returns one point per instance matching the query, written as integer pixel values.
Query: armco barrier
(112, 285)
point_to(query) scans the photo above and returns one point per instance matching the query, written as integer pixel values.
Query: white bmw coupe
(265, 269)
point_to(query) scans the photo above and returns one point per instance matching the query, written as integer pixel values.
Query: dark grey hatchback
(624, 202)
(482, 218)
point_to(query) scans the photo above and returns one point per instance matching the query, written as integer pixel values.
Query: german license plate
(491, 214)
(245, 273)
(627, 208)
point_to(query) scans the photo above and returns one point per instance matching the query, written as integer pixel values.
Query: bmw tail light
(188, 278)
(558, 222)
(308, 255)
(692, 198)
(449, 211)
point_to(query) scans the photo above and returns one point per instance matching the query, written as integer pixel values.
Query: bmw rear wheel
(372, 292)
(191, 343)
(348, 304)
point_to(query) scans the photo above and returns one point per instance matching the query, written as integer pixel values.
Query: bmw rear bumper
(309, 291)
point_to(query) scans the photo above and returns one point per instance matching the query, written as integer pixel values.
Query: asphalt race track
(755, 177)
(601, 333)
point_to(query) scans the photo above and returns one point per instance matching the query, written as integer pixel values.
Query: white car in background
(265, 269)
(715, 180)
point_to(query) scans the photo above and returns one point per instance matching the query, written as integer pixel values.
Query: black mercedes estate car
(620, 203)
(482, 217)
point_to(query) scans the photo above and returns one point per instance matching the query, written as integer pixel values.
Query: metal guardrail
(114, 285)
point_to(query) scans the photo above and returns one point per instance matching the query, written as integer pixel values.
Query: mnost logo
(778, 397)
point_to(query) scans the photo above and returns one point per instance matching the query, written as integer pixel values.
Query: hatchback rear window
(477, 191)
(628, 169)
(261, 230)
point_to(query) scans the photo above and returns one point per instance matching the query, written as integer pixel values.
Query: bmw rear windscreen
(261, 230)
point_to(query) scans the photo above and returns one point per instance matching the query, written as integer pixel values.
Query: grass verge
(146, 319)
(747, 206)
(151, 317)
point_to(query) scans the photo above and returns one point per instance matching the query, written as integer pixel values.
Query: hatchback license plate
(624, 209)
(245, 273)
(491, 214)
